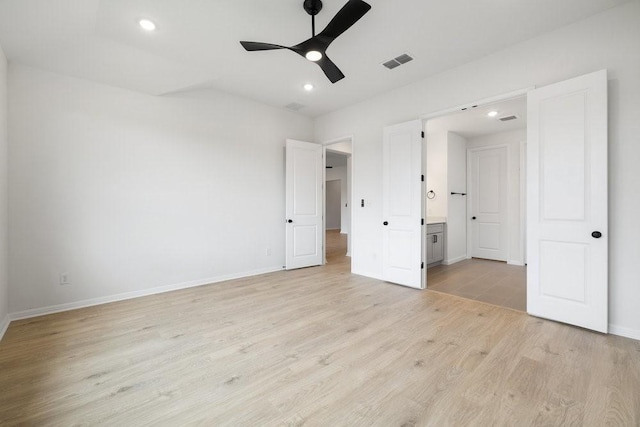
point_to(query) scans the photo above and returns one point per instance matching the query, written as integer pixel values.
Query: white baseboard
(454, 260)
(515, 262)
(624, 332)
(26, 314)
(4, 325)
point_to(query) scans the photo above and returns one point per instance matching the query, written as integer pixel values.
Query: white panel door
(402, 204)
(488, 224)
(304, 229)
(567, 202)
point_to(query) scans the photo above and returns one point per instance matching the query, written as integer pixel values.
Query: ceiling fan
(314, 49)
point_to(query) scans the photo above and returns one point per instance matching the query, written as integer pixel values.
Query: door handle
(385, 223)
(596, 234)
(289, 221)
(473, 217)
(435, 238)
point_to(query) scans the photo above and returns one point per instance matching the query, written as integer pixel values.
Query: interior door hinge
(422, 178)
(422, 265)
(422, 221)
(422, 134)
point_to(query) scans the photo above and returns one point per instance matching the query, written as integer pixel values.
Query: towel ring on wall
(431, 194)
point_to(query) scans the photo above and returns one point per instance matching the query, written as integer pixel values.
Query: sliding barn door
(567, 202)
(304, 207)
(402, 204)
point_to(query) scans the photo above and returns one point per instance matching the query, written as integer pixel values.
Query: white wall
(4, 226)
(333, 202)
(447, 172)
(436, 176)
(126, 192)
(456, 248)
(608, 40)
(341, 173)
(512, 139)
(343, 147)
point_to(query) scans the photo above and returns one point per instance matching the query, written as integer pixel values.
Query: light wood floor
(492, 282)
(316, 346)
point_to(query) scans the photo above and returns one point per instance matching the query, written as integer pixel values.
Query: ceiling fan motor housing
(313, 7)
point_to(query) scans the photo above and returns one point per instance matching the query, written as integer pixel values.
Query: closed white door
(488, 227)
(567, 231)
(402, 236)
(304, 208)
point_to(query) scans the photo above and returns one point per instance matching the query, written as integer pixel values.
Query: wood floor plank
(316, 347)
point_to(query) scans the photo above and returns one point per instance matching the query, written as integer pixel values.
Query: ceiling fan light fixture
(147, 24)
(313, 56)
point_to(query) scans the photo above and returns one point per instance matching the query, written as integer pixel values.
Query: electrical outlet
(64, 278)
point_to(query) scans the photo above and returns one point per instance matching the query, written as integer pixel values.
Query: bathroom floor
(493, 282)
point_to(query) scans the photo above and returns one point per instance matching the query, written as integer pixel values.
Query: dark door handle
(289, 221)
(385, 223)
(596, 234)
(473, 217)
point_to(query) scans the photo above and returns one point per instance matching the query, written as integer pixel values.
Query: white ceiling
(336, 159)
(475, 122)
(196, 49)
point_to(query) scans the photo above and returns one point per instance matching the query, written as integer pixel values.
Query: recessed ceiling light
(308, 87)
(492, 113)
(313, 55)
(147, 24)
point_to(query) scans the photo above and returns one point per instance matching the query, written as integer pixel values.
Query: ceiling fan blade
(253, 46)
(344, 19)
(330, 69)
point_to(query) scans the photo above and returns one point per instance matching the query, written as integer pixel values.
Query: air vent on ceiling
(398, 61)
(392, 64)
(294, 106)
(508, 118)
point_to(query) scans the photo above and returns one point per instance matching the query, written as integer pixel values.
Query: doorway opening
(337, 193)
(475, 183)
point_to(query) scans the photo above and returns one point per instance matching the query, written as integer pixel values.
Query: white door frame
(325, 144)
(523, 176)
(469, 194)
(523, 172)
(523, 203)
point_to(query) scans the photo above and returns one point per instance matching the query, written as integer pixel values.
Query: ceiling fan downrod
(313, 7)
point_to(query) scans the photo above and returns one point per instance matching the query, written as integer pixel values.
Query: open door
(304, 207)
(567, 231)
(402, 225)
